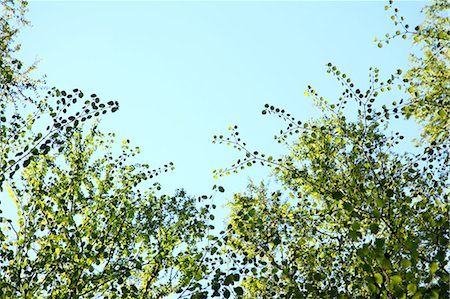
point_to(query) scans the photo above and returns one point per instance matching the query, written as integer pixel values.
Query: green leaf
(434, 267)
(390, 192)
(372, 288)
(412, 288)
(396, 279)
(379, 242)
(276, 241)
(338, 195)
(406, 263)
(198, 276)
(229, 280)
(348, 206)
(380, 202)
(239, 291)
(378, 278)
(374, 228)
(26, 162)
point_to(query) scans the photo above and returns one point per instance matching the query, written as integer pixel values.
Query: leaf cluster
(362, 220)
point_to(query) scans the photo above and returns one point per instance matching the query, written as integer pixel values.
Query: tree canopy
(86, 230)
(88, 225)
(430, 73)
(355, 217)
(352, 213)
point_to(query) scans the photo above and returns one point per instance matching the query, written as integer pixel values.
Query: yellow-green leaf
(433, 267)
(412, 288)
(378, 278)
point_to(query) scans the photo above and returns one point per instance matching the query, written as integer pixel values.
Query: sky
(184, 71)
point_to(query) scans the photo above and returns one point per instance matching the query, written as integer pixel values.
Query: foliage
(88, 224)
(86, 229)
(13, 75)
(362, 220)
(25, 135)
(429, 75)
(356, 217)
(30, 123)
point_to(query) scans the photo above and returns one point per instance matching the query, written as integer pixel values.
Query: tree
(13, 76)
(89, 224)
(362, 220)
(87, 230)
(33, 117)
(429, 75)
(356, 216)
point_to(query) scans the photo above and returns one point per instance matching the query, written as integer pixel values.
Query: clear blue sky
(184, 71)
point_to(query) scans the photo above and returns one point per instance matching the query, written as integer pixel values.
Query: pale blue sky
(184, 71)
